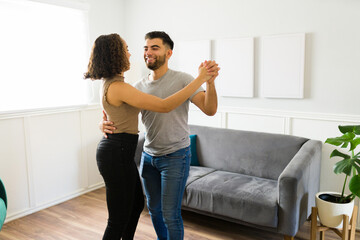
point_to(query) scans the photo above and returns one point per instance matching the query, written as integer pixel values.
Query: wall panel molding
(31, 190)
(22, 149)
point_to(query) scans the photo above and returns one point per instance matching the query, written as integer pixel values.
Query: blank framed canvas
(282, 60)
(236, 60)
(188, 55)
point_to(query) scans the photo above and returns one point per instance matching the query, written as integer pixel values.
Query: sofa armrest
(139, 148)
(297, 186)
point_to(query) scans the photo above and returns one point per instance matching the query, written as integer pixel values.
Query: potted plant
(331, 206)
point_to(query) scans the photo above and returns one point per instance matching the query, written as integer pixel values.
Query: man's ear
(169, 53)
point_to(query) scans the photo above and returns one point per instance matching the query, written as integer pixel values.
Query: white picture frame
(236, 60)
(282, 61)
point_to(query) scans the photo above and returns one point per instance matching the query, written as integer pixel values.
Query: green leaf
(337, 141)
(334, 141)
(345, 145)
(343, 166)
(350, 128)
(346, 128)
(357, 129)
(354, 143)
(356, 165)
(337, 153)
(354, 185)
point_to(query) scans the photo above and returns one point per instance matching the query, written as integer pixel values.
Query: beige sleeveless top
(124, 117)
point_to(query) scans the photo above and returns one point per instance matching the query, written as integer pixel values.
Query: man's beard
(157, 63)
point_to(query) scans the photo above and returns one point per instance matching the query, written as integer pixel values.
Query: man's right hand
(106, 126)
(212, 68)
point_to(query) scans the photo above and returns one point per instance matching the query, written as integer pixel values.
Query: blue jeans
(164, 179)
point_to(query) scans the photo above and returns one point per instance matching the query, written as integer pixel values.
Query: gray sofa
(263, 180)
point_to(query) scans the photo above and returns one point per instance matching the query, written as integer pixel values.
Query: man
(165, 160)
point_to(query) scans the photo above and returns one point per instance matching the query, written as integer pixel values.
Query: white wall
(49, 157)
(105, 17)
(332, 75)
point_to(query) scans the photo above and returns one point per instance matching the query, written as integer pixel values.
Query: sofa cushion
(194, 174)
(238, 196)
(263, 155)
(198, 172)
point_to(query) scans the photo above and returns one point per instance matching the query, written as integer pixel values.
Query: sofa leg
(288, 237)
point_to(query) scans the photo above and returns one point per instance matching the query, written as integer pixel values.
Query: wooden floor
(84, 218)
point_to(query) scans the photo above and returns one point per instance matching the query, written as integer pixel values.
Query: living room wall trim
(29, 164)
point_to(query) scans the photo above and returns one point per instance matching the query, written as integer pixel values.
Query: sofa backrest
(252, 153)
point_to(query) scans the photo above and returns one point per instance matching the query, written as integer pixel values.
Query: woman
(115, 154)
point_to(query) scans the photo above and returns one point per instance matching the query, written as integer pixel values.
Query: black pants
(124, 195)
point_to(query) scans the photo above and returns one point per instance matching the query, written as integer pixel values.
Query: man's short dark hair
(162, 35)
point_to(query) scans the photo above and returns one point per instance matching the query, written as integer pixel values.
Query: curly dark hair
(108, 57)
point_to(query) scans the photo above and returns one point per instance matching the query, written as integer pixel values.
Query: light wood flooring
(84, 218)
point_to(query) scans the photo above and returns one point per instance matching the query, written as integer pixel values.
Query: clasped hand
(211, 68)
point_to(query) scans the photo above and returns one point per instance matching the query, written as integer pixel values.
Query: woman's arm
(120, 92)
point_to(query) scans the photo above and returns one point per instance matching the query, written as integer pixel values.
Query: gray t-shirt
(166, 132)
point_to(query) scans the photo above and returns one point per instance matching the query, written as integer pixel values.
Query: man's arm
(106, 126)
(207, 101)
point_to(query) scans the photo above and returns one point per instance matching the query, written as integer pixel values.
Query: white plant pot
(331, 214)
